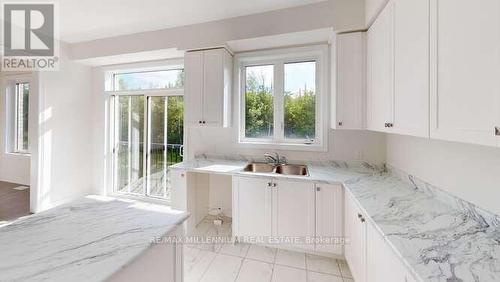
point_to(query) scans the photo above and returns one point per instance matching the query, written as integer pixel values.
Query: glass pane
(122, 155)
(22, 110)
(25, 110)
(166, 142)
(129, 163)
(300, 100)
(259, 101)
(169, 79)
(157, 155)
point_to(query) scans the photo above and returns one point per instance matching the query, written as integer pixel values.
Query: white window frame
(111, 94)
(278, 58)
(10, 83)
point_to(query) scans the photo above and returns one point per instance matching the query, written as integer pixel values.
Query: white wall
(343, 145)
(337, 14)
(470, 172)
(64, 151)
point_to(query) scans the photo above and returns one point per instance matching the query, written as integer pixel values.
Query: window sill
(283, 146)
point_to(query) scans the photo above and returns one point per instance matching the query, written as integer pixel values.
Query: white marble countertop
(325, 172)
(438, 239)
(86, 240)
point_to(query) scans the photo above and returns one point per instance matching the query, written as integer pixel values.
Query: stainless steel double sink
(283, 169)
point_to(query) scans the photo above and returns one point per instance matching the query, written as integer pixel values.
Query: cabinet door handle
(363, 219)
(318, 189)
(388, 124)
(341, 123)
(269, 184)
(360, 215)
(274, 184)
(497, 131)
(203, 122)
(199, 121)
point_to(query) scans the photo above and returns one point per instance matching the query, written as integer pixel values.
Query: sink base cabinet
(251, 207)
(293, 210)
(287, 209)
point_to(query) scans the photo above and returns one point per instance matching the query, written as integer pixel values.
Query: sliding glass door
(148, 139)
(129, 148)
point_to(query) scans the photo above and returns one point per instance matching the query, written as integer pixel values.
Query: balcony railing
(161, 156)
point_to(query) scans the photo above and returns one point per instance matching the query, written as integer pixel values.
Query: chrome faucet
(276, 159)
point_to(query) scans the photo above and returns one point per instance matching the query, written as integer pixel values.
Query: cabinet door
(213, 87)
(355, 235)
(351, 82)
(465, 58)
(411, 71)
(193, 88)
(380, 48)
(382, 264)
(178, 180)
(253, 210)
(329, 216)
(294, 209)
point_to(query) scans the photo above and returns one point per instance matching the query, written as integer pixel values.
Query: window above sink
(282, 98)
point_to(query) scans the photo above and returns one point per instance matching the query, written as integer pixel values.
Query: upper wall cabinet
(465, 89)
(398, 69)
(380, 71)
(350, 86)
(208, 87)
(411, 67)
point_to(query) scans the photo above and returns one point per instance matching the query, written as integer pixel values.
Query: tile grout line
(208, 267)
(239, 269)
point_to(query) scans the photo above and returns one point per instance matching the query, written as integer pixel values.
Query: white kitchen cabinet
(465, 70)
(411, 67)
(207, 89)
(252, 206)
(179, 196)
(271, 207)
(329, 216)
(350, 81)
(380, 71)
(355, 235)
(294, 210)
(382, 265)
(369, 255)
(398, 69)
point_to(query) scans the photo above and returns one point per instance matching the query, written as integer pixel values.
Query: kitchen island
(94, 239)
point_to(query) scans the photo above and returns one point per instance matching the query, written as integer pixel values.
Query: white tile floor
(242, 262)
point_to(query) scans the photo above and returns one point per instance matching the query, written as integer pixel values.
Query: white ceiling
(84, 20)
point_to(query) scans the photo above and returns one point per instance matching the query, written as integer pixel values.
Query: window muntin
(259, 101)
(164, 79)
(22, 91)
(300, 101)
